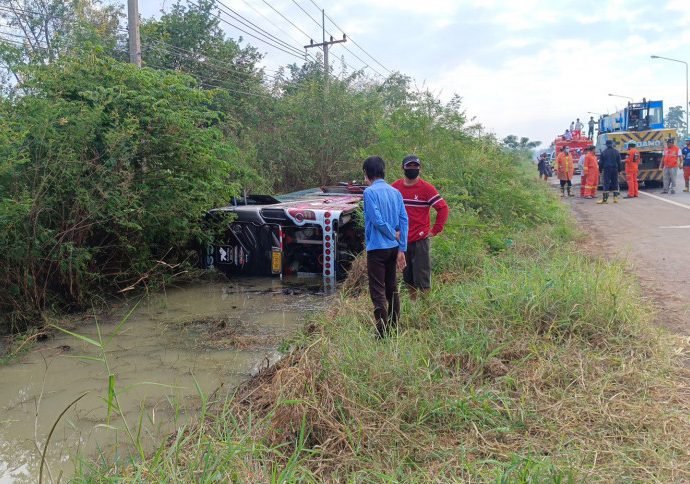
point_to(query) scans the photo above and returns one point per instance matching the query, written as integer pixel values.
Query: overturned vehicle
(314, 232)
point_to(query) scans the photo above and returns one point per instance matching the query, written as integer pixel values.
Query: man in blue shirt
(686, 163)
(385, 234)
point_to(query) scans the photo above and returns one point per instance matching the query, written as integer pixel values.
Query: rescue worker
(590, 173)
(609, 164)
(670, 163)
(565, 170)
(581, 166)
(632, 167)
(686, 164)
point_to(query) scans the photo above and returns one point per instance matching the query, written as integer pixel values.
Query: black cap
(609, 142)
(411, 159)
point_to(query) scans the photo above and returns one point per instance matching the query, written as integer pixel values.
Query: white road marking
(665, 200)
(675, 227)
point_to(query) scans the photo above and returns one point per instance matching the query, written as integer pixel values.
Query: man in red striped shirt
(419, 196)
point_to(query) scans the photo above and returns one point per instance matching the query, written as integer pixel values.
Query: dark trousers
(383, 288)
(611, 180)
(590, 133)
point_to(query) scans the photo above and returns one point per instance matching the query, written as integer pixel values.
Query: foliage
(523, 143)
(530, 362)
(675, 118)
(106, 169)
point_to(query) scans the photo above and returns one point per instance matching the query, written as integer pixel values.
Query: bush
(106, 169)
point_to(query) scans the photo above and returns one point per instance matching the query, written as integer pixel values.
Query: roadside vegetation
(530, 361)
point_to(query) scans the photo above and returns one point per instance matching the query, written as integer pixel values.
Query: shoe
(615, 199)
(664, 191)
(686, 190)
(601, 202)
(628, 196)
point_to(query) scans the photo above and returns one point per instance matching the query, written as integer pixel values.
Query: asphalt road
(652, 232)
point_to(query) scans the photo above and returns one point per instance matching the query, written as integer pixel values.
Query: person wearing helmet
(609, 164)
(686, 164)
(565, 170)
(632, 164)
(670, 163)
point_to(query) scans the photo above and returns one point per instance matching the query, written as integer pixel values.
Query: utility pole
(325, 45)
(133, 29)
(323, 166)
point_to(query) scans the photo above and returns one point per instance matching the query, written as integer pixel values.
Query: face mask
(411, 173)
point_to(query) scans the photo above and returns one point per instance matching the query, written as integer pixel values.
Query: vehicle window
(655, 115)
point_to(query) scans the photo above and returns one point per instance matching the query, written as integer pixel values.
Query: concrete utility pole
(133, 29)
(325, 46)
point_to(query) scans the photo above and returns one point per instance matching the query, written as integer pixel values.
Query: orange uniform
(671, 157)
(591, 174)
(632, 163)
(564, 166)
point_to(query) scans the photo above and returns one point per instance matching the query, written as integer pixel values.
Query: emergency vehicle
(314, 232)
(642, 123)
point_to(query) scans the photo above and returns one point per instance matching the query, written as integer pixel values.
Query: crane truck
(643, 124)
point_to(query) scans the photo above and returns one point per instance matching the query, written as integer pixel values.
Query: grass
(530, 361)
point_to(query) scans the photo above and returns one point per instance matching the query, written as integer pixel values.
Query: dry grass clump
(487, 382)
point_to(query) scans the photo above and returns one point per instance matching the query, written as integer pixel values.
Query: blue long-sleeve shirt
(384, 215)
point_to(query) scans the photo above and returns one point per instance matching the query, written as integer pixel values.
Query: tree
(512, 142)
(676, 119)
(104, 170)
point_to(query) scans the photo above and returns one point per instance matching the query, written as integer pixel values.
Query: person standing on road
(385, 235)
(419, 196)
(581, 167)
(591, 173)
(686, 164)
(670, 164)
(541, 166)
(565, 170)
(632, 166)
(590, 131)
(609, 164)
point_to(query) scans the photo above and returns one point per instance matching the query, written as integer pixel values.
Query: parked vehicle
(642, 123)
(307, 233)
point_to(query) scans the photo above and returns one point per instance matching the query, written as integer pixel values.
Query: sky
(525, 67)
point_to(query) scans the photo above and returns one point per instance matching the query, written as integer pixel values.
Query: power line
(288, 20)
(351, 39)
(274, 24)
(299, 56)
(249, 24)
(230, 69)
(204, 82)
(307, 13)
(329, 33)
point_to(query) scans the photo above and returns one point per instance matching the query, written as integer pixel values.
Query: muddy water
(210, 335)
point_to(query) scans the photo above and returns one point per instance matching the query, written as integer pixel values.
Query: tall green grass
(529, 361)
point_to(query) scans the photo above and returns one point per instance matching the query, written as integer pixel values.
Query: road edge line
(665, 200)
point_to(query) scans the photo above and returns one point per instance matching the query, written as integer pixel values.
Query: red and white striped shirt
(418, 199)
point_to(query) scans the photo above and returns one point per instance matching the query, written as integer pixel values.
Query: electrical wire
(288, 20)
(249, 24)
(230, 69)
(329, 33)
(299, 56)
(274, 24)
(351, 39)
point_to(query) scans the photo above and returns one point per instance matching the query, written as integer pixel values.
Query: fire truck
(643, 124)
